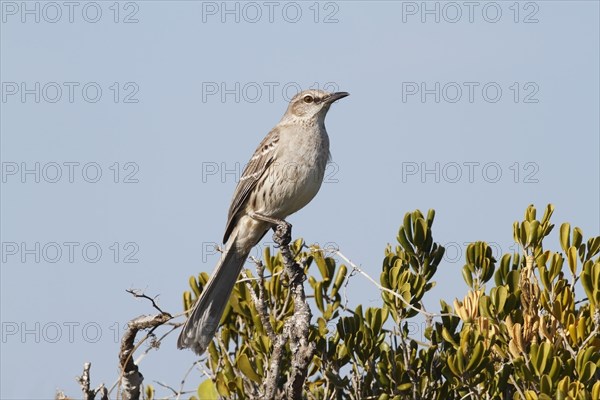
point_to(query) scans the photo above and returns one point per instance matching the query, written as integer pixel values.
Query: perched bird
(283, 175)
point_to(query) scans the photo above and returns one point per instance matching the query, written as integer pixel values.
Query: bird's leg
(282, 236)
(282, 228)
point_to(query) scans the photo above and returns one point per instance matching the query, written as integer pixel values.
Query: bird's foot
(282, 229)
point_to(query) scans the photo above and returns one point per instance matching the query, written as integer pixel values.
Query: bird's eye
(308, 99)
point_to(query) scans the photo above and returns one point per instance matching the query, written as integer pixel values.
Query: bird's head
(312, 103)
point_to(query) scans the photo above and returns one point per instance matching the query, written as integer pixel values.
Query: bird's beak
(336, 96)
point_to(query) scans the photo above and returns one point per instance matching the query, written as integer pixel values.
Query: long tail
(201, 326)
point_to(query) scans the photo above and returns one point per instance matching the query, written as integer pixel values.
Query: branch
(84, 382)
(185, 378)
(131, 379)
(271, 382)
(278, 341)
(260, 301)
(137, 293)
(299, 324)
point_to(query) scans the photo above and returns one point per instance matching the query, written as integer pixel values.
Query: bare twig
(467, 395)
(517, 386)
(384, 289)
(260, 301)
(185, 378)
(284, 307)
(595, 332)
(137, 293)
(252, 279)
(167, 387)
(563, 336)
(84, 382)
(103, 392)
(158, 341)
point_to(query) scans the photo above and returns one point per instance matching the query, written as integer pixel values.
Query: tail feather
(201, 326)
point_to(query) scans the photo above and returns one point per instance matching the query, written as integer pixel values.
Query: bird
(283, 175)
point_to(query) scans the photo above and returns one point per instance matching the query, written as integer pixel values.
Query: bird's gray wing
(258, 164)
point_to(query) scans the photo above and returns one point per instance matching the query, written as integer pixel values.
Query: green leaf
(407, 225)
(545, 385)
(593, 246)
(187, 300)
(530, 213)
(596, 390)
(512, 280)
(195, 286)
(430, 217)
(577, 237)
(572, 259)
(517, 232)
(453, 365)
(339, 280)
(541, 357)
(207, 391)
(587, 280)
(588, 371)
(531, 395)
(467, 276)
(420, 233)
(222, 386)
(499, 295)
(525, 227)
(149, 392)
(565, 233)
(485, 308)
(247, 369)
(405, 386)
(532, 232)
(476, 356)
(448, 338)
(460, 361)
(547, 214)
(403, 240)
(319, 296)
(544, 278)
(321, 264)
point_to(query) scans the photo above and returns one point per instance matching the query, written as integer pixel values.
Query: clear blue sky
(476, 111)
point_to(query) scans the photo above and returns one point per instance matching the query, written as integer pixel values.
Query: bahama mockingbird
(283, 175)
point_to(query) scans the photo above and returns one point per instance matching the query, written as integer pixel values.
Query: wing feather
(258, 164)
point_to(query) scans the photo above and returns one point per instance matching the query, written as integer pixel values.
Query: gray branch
(296, 328)
(278, 341)
(131, 378)
(85, 381)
